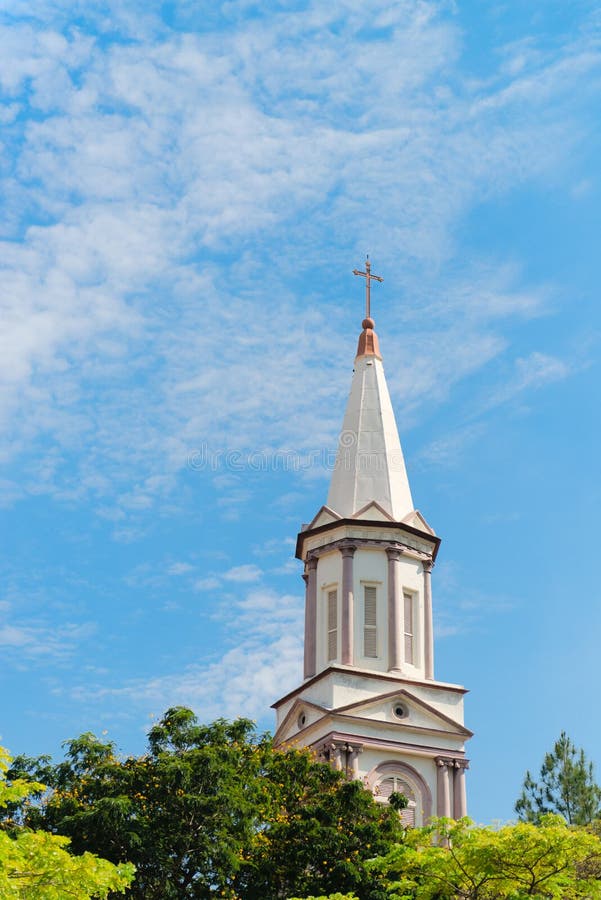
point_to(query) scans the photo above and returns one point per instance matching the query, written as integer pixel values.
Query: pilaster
(395, 611)
(459, 791)
(310, 577)
(353, 751)
(443, 800)
(428, 624)
(347, 656)
(338, 755)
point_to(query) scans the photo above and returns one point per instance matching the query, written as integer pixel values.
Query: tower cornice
(363, 524)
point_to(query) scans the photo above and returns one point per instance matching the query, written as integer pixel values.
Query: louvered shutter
(408, 603)
(332, 625)
(385, 789)
(370, 630)
(394, 785)
(408, 816)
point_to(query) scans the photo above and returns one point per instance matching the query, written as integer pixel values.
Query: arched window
(394, 776)
(395, 784)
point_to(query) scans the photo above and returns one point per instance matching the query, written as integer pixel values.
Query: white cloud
(209, 583)
(291, 566)
(275, 546)
(22, 644)
(263, 663)
(180, 568)
(244, 573)
(539, 369)
(527, 374)
(530, 373)
(161, 172)
(448, 450)
(461, 608)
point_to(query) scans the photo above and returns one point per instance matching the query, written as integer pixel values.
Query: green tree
(38, 866)
(337, 896)
(457, 861)
(317, 835)
(566, 786)
(215, 811)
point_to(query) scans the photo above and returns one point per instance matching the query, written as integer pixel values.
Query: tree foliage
(457, 861)
(337, 896)
(566, 786)
(214, 810)
(38, 866)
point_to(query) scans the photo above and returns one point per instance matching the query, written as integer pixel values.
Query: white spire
(369, 463)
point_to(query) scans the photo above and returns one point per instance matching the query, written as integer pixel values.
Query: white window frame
(331, 633)
(411, 596)
(373, 627)
(400, 785)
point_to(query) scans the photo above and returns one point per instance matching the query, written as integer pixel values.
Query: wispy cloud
(180, 568)
(461, 608)
(273, 546)
(210, 583)
(27, 643)
(531, 373)
(143, 168)
(526, 375)
(263, 662)
(244, 573)
(447, 451)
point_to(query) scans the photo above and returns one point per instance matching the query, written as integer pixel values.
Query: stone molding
(448, 761)
(378, 676)
(395, 552)
(300, 705)
(389, 746)
(370, 543)
(429, 539)
(375, 505)
(404, 770)
(341, 754)
(404, 694)
(347, 549)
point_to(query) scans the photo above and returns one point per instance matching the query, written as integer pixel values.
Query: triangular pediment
(373, 512)
(324, 517)
(416, 520)
(291, 724)
(417, 713)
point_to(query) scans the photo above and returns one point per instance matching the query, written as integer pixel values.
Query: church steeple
(369, 702)
(370, 467)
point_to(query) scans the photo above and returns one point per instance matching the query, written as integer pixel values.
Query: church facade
(369, 702)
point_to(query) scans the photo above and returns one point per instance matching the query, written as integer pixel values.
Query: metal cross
(368, 277)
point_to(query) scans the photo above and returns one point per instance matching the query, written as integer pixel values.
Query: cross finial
(368, 277)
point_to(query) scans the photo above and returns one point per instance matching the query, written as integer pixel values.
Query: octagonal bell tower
(369, 702)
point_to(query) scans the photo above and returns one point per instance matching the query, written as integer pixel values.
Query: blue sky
(185, 191)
